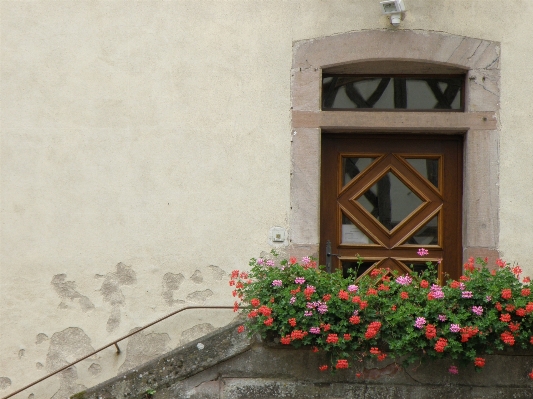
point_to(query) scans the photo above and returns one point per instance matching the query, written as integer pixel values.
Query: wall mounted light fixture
(394, 8)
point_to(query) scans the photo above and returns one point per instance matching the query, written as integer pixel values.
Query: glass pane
(351, 167)
(350, 234)
(354, 92)
(389, 201)
(427, 235)
(416, 266)
(353, 265)
(429, 168)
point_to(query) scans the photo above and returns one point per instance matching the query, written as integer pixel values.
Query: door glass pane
(416, 266)
(427, 235)
(427, 167)
(389, 201)
(351, 167)
(355, 266)
(350, 234)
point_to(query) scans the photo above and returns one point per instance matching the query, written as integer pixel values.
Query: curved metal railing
(114, 343)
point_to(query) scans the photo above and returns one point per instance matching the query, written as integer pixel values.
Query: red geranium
(441, 344)
(343, 295)
(342, 364)
(431, 331)
(507, 337)
(255, 302)
(332, 339)
(507, 293)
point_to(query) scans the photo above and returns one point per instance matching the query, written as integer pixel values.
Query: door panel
(385, 196)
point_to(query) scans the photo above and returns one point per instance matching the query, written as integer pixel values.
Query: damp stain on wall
(199, 296)
(68, 293)
(112, 294)
(143, 347)
(171, 283)
(66, 346)
(5, 383)
(217, 272)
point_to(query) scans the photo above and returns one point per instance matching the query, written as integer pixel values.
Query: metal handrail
(115, 343)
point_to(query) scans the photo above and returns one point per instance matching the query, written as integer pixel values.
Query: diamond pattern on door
(383, 197)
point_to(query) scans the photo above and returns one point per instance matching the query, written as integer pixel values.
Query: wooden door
(385, 196)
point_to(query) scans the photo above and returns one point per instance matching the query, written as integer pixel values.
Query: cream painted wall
(157, 134)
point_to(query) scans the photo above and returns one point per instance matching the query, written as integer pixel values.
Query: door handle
(328, 256)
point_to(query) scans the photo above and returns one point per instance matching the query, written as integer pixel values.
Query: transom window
(413, 93)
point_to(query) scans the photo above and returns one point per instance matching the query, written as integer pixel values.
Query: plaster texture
(146, 153)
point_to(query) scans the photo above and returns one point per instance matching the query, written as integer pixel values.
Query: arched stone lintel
(404, 45)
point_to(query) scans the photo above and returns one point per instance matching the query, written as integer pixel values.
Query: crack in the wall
(67, 291)
(495, 60)
(476, 49)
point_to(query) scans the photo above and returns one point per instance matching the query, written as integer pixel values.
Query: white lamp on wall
(394, 8)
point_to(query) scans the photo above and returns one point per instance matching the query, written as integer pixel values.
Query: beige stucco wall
(145, 153)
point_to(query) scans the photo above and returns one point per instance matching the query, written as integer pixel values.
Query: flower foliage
(386, 315)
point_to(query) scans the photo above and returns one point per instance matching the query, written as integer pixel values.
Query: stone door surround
(394, 52)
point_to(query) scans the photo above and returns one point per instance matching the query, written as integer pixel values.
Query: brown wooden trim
(395, 121)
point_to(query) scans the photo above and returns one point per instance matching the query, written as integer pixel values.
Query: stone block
(305, 190)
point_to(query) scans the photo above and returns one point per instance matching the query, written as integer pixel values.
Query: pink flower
(453, 370)
(314, 330)
(466, 294)
(260, 261)
(270, 262)
(404, 280)
(420, 321)
(442, 317)
(422, 252)
(306, 260)
(299, 280)
(478, 310)
(455, 328)
(353, 288)
(277, 283)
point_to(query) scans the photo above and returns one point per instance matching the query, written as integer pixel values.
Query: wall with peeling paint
(145, 153)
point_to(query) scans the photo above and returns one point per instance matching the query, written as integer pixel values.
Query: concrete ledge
(231, 366)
